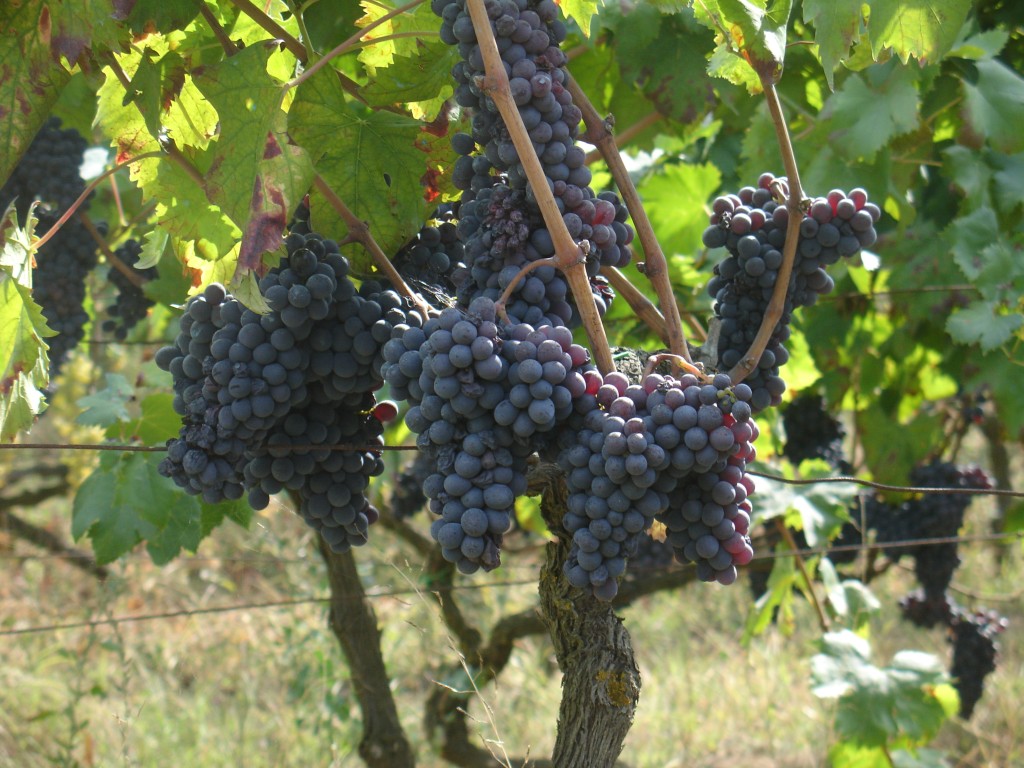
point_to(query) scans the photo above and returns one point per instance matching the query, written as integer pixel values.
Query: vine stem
(130, 274)
(358, 229)
(640, 304)
(570, 257)
(349, 43)
(777, 305)
(599, 133)
(88, 191)
(783, 529)
(223, 38)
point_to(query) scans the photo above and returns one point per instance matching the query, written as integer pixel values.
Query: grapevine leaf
(161, 15)
(283, 177)
(836, 28)
(381, 44)
(679, 229)
(126, 501)
(29, 82)
(869, 117)
(984, 323)
(925, 30)
(380, 170)
(971, 174)
(109, 405)
(158, 419)
(580, 11)
(896, 446)
(907, 699)
(245, 287)
(24, 365)
(994, 104)
(330, 24)
(665, 55)
(421, 82)
(247, 100)
(80, 25)
(212, 515)
(153, 247)
(16, 252)
(983, 45)
(776, 604)
(754, 31)
(970, 235)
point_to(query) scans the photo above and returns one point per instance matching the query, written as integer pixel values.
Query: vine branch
(358, 230)
(130, 274)
(599, 134)
(642, 306)
(794, 202)
(571, 259)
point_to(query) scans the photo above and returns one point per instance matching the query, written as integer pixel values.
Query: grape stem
(777, 305)
(642, 306)
(599, 133)
(358, 230)
(223, 38)
(349, 43)
(783, 529)
(570, 258)
(499, 305)
(112, 259)
(677, 360)
(88, 191)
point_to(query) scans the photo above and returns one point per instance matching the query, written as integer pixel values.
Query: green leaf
(924, 30)
(17, 251)
(868, 118)
(153, 248)
(80, 25)
(420, 82)
(24, 364)
(665, 56)
(29, 82)
(580, 11)
(411, 27)
(971, 235)
(158, 421)
(994, 105)
(109, 405)
(752, 30)
(836, 28)
(212, 515)
(776, 604)
(126, 501)
(821, 506)
(907, 699)
(679, 227)
(161, 15)
(895, 447)
(248, 100)
(374, 161)
(984, 323)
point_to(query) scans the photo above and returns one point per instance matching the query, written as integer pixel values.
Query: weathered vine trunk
(354, 623)
(601, 682)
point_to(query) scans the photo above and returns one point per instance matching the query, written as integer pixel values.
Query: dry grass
(267, 687)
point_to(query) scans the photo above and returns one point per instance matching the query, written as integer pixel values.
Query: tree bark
(384, 744)
(601, 681)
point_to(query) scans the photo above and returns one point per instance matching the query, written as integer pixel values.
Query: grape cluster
(974, 654)
(429, 260)
(266, 400)
(500, 222)
(645, 452)
(812, 432)
(752, 226)
(49, 173)
(131, 304)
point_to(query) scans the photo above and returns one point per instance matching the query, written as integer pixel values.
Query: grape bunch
(429, 260)
(500, 223)
(266, 400)
(975, 650)
(752, 226)
(812, 432)
(132, 304)
(640, 455)
(49, 173)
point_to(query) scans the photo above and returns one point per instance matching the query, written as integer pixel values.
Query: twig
(599, 134)
(626, 135)
(787, 534)
(88, 191)
(271, 26)
(359, 230)
(41, 537)
(130, 274)
(571, 259)
(793, 204)
(349, 43)
(218, 31)
(642, 306)
(548, 262)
